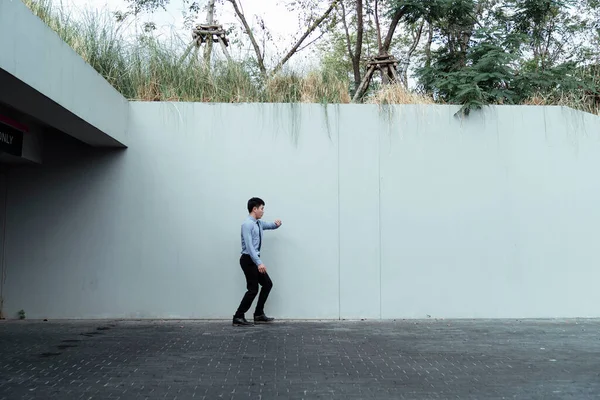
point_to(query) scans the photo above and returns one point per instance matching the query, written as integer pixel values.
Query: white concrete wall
(389, 212)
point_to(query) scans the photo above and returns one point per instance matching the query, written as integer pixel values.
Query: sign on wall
(11, 137)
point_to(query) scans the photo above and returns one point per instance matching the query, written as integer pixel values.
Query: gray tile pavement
(452, 359)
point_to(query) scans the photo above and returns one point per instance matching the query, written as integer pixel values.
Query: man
(254, 269)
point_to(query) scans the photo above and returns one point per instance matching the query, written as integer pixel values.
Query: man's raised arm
(271, 225)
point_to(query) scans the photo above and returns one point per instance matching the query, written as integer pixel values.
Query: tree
(369, 28)
(354, 52)
(503, 52)
(314, 17)
(468, 52)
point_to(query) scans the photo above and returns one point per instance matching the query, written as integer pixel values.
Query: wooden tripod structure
(204, 33)
(386, 64)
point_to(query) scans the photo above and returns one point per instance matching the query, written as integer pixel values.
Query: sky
(282, 23)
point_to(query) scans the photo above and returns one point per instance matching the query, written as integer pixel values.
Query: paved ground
(296, 360)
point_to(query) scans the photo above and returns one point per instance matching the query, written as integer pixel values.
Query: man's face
(259, 211)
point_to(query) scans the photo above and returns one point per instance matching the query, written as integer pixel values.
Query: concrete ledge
(43, 77)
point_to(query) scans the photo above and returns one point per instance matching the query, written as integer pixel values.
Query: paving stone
(409, 359)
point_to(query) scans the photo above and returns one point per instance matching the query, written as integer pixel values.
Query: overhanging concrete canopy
(43, 78)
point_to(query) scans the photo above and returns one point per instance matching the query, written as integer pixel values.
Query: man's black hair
(255, 202)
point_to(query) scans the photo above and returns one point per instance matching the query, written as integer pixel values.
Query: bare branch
(259, 57)
(412, 49)
(310, 30)
(311, 42)
(417, 39)
(345, 24)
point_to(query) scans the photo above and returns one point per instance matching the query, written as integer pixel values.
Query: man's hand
(262, 269)
(278, 222)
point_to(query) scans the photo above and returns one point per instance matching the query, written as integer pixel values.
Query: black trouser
(253, 278)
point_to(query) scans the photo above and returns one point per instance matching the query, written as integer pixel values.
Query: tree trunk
(210, 16)
(355, 55)
(378, 30)
(385, 78)
(398, 14)
(359, 42)
(428, 46)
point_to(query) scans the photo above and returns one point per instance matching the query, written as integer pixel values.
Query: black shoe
(262, 319)
(241, 322)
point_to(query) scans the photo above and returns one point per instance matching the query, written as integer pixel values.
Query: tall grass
(577, 100)
(148, 69)
(397, 94)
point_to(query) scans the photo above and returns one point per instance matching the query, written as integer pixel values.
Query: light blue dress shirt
(252, 232)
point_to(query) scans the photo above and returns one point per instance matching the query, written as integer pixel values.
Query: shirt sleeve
(269, 225)
(247, 235)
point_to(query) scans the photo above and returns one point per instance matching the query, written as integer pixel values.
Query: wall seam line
(339, 227)
(379, 218)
